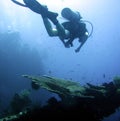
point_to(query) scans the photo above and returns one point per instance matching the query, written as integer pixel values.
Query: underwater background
(26, 48)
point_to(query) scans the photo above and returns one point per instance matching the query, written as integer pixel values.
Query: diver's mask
(71, 15)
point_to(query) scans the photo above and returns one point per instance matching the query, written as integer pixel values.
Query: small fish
(104, 75)
(49, 71)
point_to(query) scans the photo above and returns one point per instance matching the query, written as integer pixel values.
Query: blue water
(26, 48)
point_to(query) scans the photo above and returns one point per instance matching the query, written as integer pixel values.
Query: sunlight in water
(59, 3)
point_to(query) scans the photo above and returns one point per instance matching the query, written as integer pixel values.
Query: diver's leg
(62, 33)
(59, 31)
(51, 32)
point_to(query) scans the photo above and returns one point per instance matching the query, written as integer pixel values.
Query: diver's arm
(18, 3)
(84, 39)
(78, 49)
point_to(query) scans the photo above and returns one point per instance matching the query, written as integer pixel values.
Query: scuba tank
(71, 15)
(75, 16)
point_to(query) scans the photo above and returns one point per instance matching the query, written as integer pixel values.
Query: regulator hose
(86, 21)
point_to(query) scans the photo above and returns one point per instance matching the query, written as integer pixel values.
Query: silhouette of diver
(70, 30)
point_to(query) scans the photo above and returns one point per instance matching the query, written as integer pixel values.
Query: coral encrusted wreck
(89, 102)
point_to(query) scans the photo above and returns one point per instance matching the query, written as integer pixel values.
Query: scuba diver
(66, 31)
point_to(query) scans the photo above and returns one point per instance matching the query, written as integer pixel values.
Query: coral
(116, 81)
(20, 101)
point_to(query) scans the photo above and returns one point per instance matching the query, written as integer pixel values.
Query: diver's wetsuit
(76, 29)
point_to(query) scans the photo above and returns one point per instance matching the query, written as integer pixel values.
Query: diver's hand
(77, 50)
(67, 45)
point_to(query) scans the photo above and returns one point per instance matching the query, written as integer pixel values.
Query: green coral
(20, 101)
(116, 81)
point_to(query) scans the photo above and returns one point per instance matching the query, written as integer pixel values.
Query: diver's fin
(51, 15)
(18, 3)
(41, 9)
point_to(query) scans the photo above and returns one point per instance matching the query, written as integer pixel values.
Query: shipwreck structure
(89, 102)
